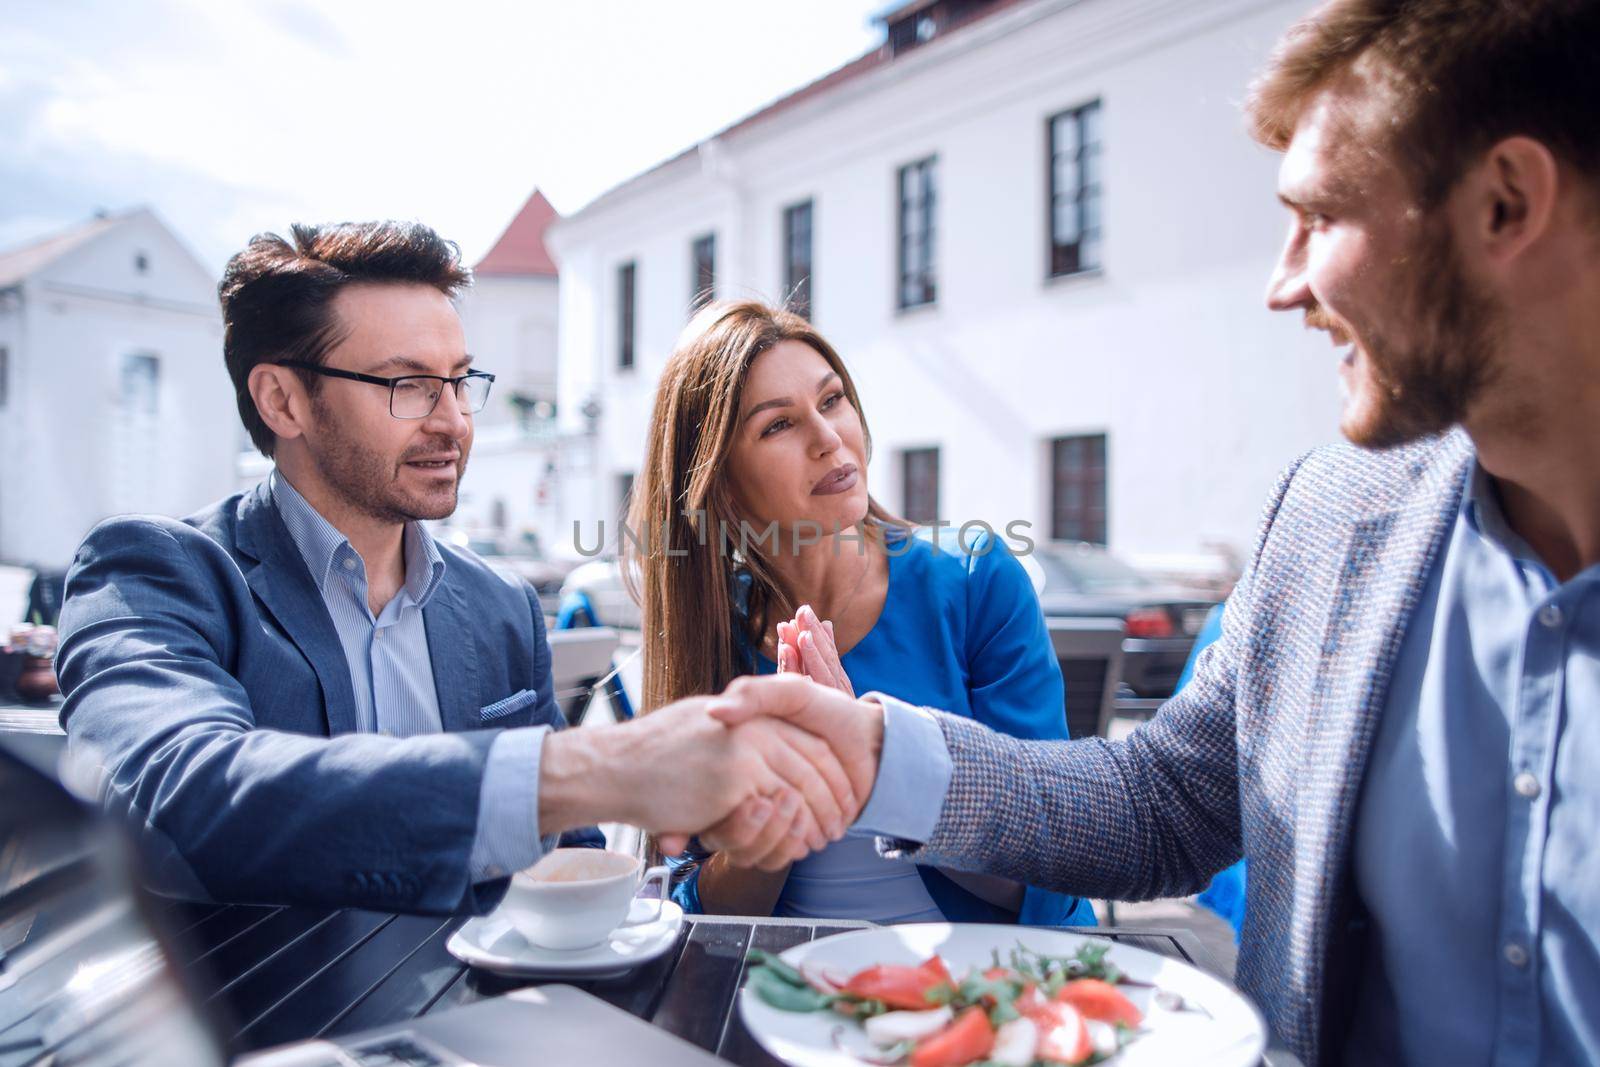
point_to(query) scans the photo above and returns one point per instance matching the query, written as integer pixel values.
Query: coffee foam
(580, 865)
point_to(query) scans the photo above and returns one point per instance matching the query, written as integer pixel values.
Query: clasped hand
(769, 771)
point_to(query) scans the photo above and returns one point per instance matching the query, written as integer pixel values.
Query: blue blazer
(203, 678)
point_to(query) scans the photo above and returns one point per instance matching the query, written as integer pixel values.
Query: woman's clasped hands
(806, 647)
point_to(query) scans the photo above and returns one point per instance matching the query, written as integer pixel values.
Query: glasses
(414, 396)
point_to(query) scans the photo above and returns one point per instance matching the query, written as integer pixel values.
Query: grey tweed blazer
(1261, 755)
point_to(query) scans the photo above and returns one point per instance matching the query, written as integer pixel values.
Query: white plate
(1234, 1035)
(491, 942)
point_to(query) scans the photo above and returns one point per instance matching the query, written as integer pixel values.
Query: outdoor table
(286, 974)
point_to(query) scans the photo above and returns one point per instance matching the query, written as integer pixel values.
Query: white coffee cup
(574, 897)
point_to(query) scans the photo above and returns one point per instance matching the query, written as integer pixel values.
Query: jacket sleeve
(550, 712)
(1153, 815)
(158, 725)
(1015, 684)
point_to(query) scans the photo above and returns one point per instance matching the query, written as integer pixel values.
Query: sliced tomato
(934, 970)
(1063, 1037)
(1095, 999)
(896, 985)
(1030, 999)
(996, 973)
(964, 1041)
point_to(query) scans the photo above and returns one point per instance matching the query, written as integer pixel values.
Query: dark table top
(285, 974)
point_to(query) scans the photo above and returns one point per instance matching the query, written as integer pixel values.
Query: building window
(5, 374)
(703, 271)
(1078, 489)
(1076, 240)
(797, 257)
(141, 383)
(624, 494)
(919, 480)
(141, 262)
(625, 315)
(917, 195)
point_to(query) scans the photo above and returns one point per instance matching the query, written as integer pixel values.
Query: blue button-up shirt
(391, 675)
(1475, 836)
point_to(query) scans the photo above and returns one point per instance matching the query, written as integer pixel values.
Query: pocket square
(512, 703)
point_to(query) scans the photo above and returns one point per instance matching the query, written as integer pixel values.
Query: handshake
(769, 771)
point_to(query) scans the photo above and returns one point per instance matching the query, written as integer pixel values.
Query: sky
(233, 118)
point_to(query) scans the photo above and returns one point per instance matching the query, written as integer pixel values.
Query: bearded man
(298, 696)
(1400, 726)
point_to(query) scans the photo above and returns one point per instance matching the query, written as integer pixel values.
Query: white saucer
(491, 942)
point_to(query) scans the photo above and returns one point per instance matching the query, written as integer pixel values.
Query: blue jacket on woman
(962, 629)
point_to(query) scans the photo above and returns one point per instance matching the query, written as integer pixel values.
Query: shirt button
(349, 564)
(1550, 615)
(1516, 955)
(1526, 785)
(377, 635)
(495, 871)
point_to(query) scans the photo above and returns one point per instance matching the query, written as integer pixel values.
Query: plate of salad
(945, 995)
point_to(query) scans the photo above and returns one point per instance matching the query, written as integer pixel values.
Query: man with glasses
(297, 696)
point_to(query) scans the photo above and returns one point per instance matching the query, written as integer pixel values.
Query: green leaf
(758, 958)
(1003, 1012)
(776, 991)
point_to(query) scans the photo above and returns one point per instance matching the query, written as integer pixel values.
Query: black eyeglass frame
(373, 379)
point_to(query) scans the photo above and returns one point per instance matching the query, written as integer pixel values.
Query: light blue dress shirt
(1475, 843)
(391, 674)
(1475, 847)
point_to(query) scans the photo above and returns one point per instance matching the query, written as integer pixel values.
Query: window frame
(702, 273)
(797, 277)
(627, 314)
(908, 458)
(1091, 475)
(126, 377)
(925, 206)
(1066, 259)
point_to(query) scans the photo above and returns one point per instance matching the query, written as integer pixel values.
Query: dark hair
(277, 298)
(1460, 74)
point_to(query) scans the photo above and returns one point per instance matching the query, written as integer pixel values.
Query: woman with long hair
(754, 546)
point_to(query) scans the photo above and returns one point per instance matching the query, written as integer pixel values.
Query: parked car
(520, 558)
(1161, 620)
(595, 591)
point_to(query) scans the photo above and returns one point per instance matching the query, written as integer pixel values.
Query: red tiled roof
(520, 249)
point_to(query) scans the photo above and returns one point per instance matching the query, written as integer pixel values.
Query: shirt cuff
(508, 806)
(914, 772)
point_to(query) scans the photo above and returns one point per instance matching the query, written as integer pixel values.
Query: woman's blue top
(961, 630)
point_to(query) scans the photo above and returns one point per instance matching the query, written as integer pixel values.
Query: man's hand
(851, 729)
(677, 771)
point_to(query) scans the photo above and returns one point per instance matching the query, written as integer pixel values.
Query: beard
(369, 481)
(1426, 386)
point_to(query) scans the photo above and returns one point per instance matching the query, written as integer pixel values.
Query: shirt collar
(1480, 510)
(321, 544)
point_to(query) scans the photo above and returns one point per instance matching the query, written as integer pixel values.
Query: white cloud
(235, 118)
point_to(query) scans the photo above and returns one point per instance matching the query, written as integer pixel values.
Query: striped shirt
(390, 669)
(391, 674)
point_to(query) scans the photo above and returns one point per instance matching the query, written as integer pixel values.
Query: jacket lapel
(280, 580)
(453, 650)
(1390, 553)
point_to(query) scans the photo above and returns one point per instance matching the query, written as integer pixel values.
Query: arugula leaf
(757, 958)
(774, 989)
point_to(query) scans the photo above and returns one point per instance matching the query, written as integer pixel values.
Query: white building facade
(1039, 237)
(113, 393)
(512, 489)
